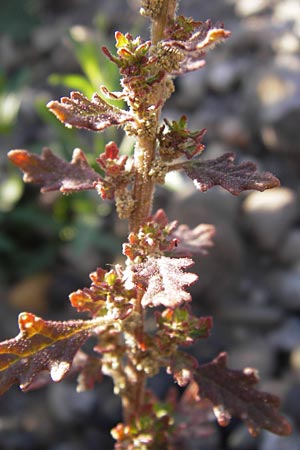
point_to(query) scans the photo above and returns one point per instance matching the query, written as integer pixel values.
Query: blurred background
(248, 98)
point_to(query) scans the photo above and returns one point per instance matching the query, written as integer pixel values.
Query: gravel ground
(248, 97)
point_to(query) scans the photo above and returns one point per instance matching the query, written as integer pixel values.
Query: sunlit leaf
(164, 281)
(41, 346)
(95, 114)
(193, 46)
(222, 171)
(53, 173)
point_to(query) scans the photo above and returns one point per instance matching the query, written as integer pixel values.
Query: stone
(268, 215)
(234, 132)
(287, 337)
(220, 268)
(69, 407)
(271, 441)
(250, 315)
(284, 285)
(240, 438)
(246, 8)
(254, 353)
(289, 250)
(291, 402)
(221, 76)
(272, 103)
(191, 89)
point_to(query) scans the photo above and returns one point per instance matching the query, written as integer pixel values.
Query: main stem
(145, 148)
(143, 192)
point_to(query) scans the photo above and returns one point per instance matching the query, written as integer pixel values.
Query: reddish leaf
(232, 394)
(165, 281)
(180, 326)
(42, 345)
(235, 178)
(94, 115)
(90, 371)
(107, 295)
(52, 173)
(193, 241)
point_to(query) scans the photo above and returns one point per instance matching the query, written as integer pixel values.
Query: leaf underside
(235, 178)
(40, 346)
(233, 394)
(53, 173)
(96, 114)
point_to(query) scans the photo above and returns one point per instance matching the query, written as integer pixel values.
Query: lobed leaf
(41, 346)
(80, 112)
(235, 178)
(53, 173)
(232, 393)
(194, 45)
(164, 281)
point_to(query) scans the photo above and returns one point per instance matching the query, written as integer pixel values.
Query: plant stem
(144, 153)
(143, 192)
(159, 25)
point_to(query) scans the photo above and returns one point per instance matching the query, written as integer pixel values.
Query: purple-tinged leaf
(193, 241)
(180, 326)
(194, 46)
(107, 295)
(96, 114)
(90, 371)
(164, 281)
(232, 394)
(53, 173)
(222, 171)
(42, 346)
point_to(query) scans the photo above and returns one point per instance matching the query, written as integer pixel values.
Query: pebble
(270, 441)
(268, 215)
(240, 438)
(291, 402)
(286, 337)
(289, 250)
(191, 88)
(251, 315)
(256, 354)
(273, 103)
(220, 268)
(221, 76)
(67, 406)
(284, 285)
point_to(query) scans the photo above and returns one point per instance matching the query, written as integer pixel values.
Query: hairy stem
(143, 191)
(167, 12)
